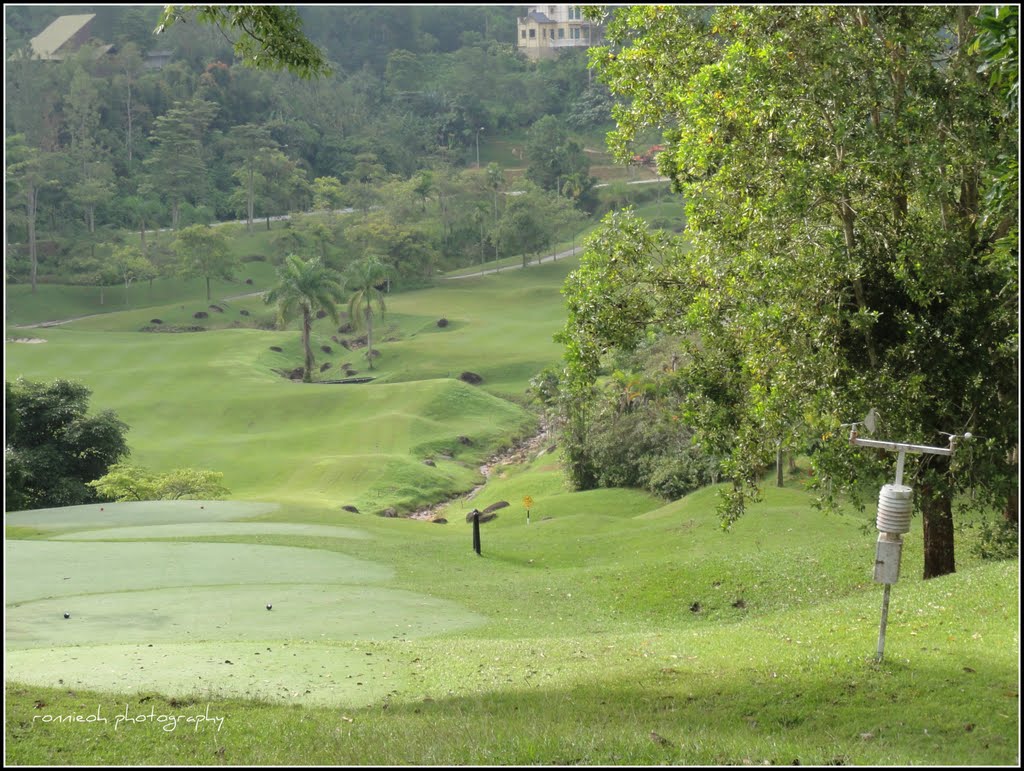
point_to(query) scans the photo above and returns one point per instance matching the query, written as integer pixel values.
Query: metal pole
(885, 620)
(476, 531)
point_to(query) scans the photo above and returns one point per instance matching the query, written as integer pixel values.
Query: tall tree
(303, 288)
(27, 173)
(250, 142)
(130, 69)
(176, 166)
(833, 160)
(551, 156)
(363, 278)
(203, 253)
(281, 184)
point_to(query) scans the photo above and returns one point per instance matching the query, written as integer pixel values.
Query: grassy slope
(593, 651)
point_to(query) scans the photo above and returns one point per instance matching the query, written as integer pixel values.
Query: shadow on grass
(854, 713)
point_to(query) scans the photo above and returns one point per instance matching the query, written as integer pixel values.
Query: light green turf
(318, 612)
(297, 671)
(202, 529)
(368, 443)
(82, 569)
(132, 512)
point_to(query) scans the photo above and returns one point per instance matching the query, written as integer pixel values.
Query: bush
(998, 540)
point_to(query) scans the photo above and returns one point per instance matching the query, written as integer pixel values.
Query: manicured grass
(589, 650)
(612, 629)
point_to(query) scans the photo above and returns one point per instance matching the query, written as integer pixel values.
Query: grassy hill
(613, 628)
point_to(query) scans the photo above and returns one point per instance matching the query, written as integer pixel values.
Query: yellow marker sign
(527, 502)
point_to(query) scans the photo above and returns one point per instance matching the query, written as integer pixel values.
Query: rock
(326, 349)
(216, 308)
(442, 323)
(275, 348)
(156, 321)
(471, 377)
(465, 440)
(200, 315)
(495, 507)
(440, 521)
(244, 312)
(430, 463)
(248, 281)
(389, 512)
(353, 509)
(325, 366)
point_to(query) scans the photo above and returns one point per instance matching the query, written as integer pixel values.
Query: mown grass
(616, 628)
(792, 688)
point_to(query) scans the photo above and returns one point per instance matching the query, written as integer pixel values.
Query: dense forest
(106, 141)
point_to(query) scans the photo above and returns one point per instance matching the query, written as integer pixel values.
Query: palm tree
(305, 287)
(363, 278)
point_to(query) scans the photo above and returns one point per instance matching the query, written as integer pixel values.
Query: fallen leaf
(658, 739)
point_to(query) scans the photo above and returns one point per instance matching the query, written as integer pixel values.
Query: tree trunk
(307, 323)
(207, 289)
(1012, 511)
(32, 194)
(937, 523)
(369, 336)
(250, 202)
(778, 467)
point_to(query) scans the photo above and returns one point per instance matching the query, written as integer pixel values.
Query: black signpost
(476, 531)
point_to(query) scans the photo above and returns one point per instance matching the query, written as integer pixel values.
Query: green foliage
(126, 482)
(552, 157)
(839, 260)
(53, 449)
(997, 540)
(271, 36)
(203, 253)
(303, 288)
(363, 279)
(328, 194)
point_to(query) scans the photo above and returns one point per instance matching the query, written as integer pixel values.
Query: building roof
(539, 17)
(47, 43)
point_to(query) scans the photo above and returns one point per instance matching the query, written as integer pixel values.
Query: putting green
(191, 619)
(232, 613)
(38, 570)
(136, 512)
(203, 529)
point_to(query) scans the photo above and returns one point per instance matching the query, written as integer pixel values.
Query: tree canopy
(270, 36)
(53, 448)
(834, 162)
(303, 288)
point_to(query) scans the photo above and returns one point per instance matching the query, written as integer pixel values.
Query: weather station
(895, 507)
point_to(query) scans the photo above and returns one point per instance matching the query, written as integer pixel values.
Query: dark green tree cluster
(841, 168)
(53, 448)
